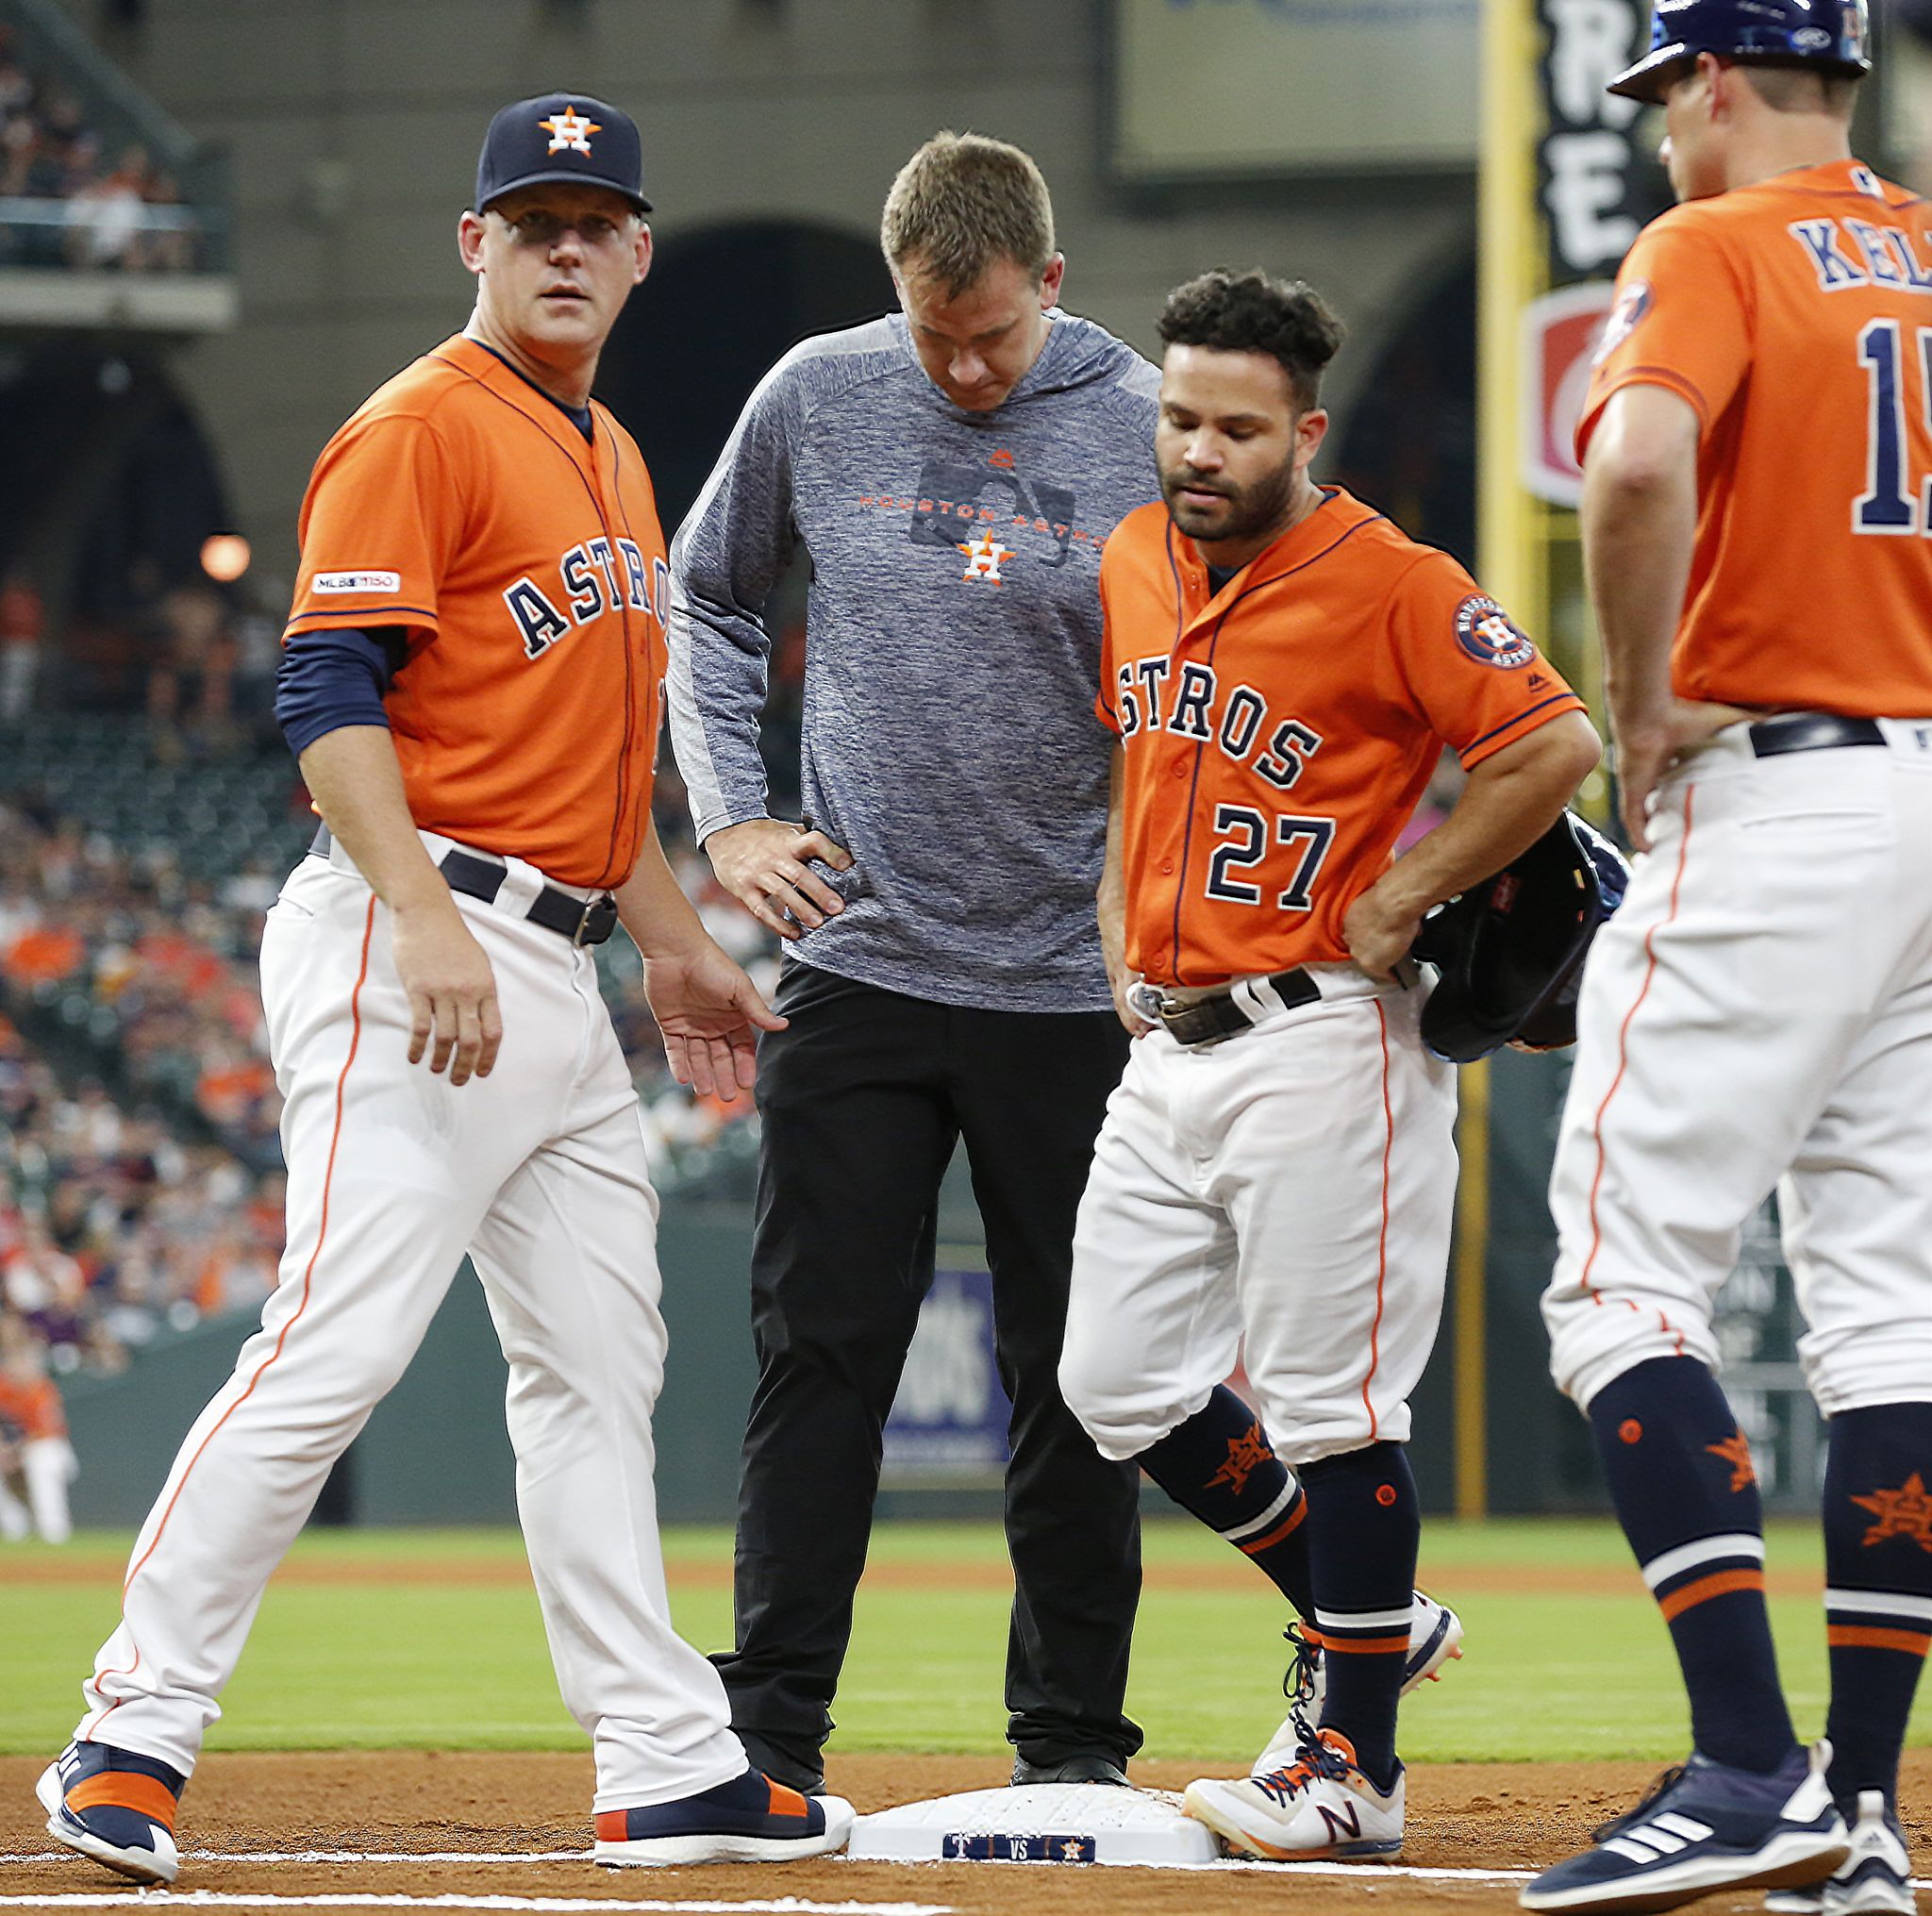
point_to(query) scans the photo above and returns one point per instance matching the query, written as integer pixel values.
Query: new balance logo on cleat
(1321, 1806)
(1705, 1827)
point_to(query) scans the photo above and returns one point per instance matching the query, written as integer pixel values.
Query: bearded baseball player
(1759, 1013)
(471, 682)
(1282, 668)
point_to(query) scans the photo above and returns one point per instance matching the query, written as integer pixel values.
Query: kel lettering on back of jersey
(1802, 490)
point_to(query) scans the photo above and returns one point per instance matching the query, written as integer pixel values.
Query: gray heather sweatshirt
(952, 649)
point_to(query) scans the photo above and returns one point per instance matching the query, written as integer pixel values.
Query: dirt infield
(260, 1829)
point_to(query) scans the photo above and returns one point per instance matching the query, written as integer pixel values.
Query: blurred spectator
(23, 621)
(37, 1462)
(70, 208)
(191, 686)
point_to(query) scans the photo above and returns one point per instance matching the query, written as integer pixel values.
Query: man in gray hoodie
(952, 473)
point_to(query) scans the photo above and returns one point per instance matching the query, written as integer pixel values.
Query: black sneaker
(1090, 1768)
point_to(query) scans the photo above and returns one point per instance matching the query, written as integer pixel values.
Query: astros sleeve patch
(1477, 675)
(1675, 323)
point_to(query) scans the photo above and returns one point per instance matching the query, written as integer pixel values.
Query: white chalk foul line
(210, 1899)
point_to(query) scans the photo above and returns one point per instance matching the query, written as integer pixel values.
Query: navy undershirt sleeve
(330, 679)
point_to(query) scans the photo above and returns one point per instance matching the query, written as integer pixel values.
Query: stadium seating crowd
(74, 203)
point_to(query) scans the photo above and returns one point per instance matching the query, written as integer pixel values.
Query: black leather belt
(583, 920)
(1811, 732)
(1207, 1021)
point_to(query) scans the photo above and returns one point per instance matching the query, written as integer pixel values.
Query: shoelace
(1314, 1762)
(1662, 1786)
(1298, 1684)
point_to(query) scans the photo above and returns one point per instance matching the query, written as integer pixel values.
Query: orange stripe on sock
(125, 1790)
(1287, 1527)
(1869, 1637)
(785, 1802)
(1719, 1583)
(1368, 1646)
(613, 1825)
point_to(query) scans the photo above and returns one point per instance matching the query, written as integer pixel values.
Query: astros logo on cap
(571, 129)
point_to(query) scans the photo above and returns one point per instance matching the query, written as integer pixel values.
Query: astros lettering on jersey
(1279, 732)
(514, 612)
(1807, 529)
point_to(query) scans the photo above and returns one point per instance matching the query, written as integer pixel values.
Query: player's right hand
(765, 864)
(453, 1009)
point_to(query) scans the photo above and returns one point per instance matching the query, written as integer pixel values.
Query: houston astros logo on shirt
(570, 129)
(1484, 631)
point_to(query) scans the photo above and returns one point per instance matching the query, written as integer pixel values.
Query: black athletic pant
(863, 1098)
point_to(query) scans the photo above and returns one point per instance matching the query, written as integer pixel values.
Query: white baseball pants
(538, 1172)
(1759, 1009)
(1293, 1186)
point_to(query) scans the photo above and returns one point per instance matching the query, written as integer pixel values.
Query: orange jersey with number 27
(1278, 732)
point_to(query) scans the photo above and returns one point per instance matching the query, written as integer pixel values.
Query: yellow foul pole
(1513, 568)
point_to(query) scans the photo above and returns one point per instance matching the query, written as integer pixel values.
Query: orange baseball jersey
(526, 567)
(1279, 732)
(1795, 316)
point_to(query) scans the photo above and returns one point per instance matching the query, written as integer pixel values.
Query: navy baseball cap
(561, 136)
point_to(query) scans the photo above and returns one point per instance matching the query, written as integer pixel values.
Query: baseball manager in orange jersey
(471, 682)
(1283, 668)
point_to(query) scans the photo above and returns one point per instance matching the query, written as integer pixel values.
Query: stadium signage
(1593, 182)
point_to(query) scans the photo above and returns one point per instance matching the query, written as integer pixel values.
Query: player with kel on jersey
(1283, 667)
(471, 683)
(1756, 448)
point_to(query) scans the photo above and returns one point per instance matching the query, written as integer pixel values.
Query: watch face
(1145, 999)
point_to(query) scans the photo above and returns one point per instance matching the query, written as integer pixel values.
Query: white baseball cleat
(1435, 1640)
(1876, 1877)
(1321, 1806)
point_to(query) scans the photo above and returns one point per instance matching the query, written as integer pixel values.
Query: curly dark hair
(1253, 313)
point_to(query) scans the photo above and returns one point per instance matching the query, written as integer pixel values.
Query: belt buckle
(578, 939)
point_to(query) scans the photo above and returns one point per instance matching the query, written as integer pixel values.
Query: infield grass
(431, 1638)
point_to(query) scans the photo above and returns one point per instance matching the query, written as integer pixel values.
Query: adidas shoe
(750, 1819)
(1877, 1875)
(1435, 1638)
(1321, 1806)
(1705, 1827)
(115, 1805)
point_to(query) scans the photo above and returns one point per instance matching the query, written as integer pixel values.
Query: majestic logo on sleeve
(570, 129)
(357, 582)
(1484, 631)
(597, 577)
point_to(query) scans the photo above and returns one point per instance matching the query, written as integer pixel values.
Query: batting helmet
(1510, 950)
(1832, 34)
